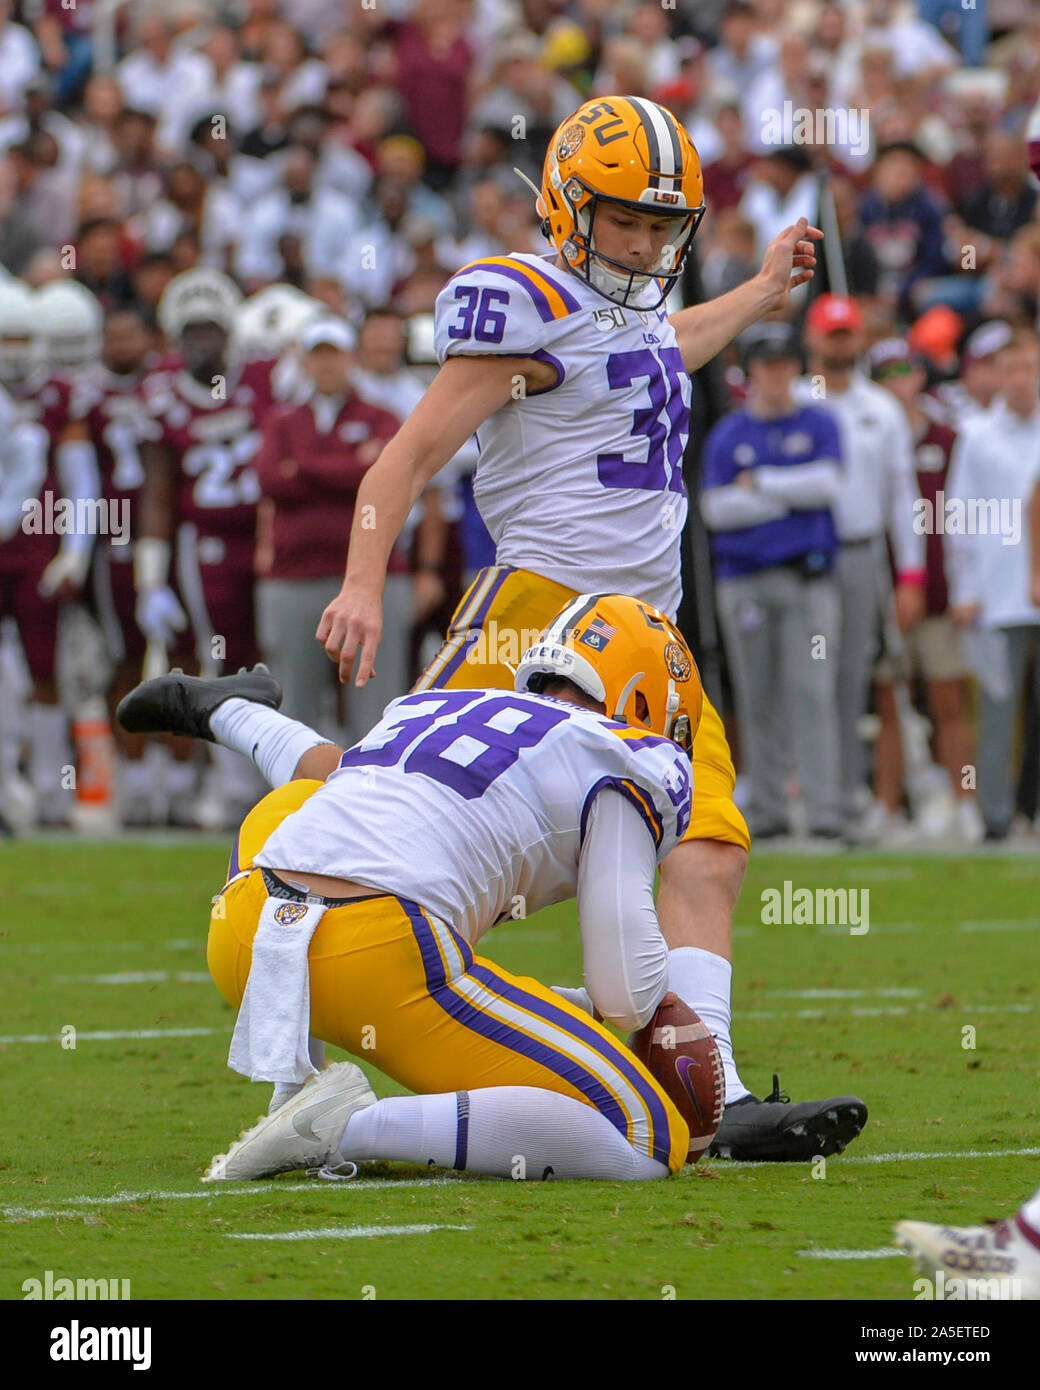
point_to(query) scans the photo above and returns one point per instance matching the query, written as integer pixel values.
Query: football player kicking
(455, 809)
(576, 380)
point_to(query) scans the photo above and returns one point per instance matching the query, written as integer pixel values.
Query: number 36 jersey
(580, 482)
(475, 803)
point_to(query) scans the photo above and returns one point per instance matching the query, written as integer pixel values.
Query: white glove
(67, 567)
(159, 616)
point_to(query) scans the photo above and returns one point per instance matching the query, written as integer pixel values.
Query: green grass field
(102, 1145)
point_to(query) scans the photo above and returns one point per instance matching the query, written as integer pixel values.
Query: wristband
(912, 577)
(151, 563)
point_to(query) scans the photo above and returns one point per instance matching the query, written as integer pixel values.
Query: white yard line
(884, 928)
(41, 948)
(882, 872)
(138, 977)
(886, 1252)
(343, 1232)
(888, 1011)
(74, 1206)
(723, 1165)
(114, 1036)
(968, 925)
(1000, 924)
(843, 993)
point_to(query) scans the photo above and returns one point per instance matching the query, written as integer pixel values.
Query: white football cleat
(302, 1133)
(1000, 1260)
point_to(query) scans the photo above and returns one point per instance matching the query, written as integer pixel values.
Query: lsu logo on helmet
(634, 153)
(678, 661)
(626, 654)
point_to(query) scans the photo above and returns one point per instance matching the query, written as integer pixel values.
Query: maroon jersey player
(107, 415)
(198, 500)
(48, 558)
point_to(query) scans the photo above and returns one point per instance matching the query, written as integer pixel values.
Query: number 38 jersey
(580, 482)
(475, 803)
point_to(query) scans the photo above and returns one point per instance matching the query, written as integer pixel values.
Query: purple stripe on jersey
(653, 822)
(569, 300)
(474, 626)
(462, 1128)
(542, 356)
(542, 304)
(615, 1053)
(233, 864)
(497, 1031)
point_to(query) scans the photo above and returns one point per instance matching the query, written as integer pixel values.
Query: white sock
(702, 980)
(273, 741)
(285, 1090)
(135, 777)
(504, 1131)
(238, 780)
(181, 777)
(50, 753)
(159, 761)
(1029, 1212)
(50, 747)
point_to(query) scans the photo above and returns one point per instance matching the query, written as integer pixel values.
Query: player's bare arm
(703, 330)
(159, 614)
(463, 394)
(157, 492)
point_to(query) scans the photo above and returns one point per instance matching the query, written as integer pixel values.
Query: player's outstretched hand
(790, 260)
(352, 621)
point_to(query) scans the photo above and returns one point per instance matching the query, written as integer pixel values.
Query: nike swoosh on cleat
(301, 1121)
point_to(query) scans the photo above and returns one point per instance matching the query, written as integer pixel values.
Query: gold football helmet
(631, 151)
(616, 648)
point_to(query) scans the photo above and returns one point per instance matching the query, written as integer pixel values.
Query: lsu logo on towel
(289, 914)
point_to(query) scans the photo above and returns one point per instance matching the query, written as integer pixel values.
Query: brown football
(684, 1059)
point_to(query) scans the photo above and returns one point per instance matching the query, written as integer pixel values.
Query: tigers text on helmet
(616, 648)
(632, 152)
(200, 295)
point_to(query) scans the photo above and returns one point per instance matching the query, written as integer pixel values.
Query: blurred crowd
(321, 167)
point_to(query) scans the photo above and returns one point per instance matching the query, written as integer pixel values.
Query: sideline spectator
(876, 495)
(931, 650)
(313, 456)
(996, 465)
(770, 474)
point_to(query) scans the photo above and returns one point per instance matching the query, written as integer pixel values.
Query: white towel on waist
(270, 1041)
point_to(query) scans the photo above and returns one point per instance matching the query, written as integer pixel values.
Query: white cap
(987, 339)
(336, 332)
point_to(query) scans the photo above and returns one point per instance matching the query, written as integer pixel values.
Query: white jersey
(475, 803)
(580, 482)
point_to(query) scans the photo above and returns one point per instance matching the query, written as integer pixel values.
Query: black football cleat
(180, 704)
(775, 1131)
